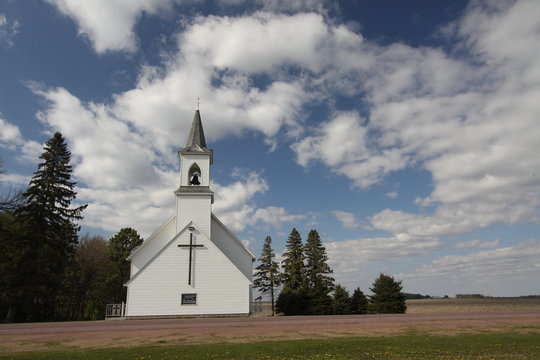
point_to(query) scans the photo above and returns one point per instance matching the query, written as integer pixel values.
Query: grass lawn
(524, 344)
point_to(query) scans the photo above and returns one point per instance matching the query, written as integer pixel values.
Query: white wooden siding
(220, 286)
(196, 208)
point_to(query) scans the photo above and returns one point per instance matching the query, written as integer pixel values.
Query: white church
(191, 265)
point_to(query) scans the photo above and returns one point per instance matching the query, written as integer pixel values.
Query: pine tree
(387, 297)
(293, 298)
(267, 276)
(293, 262)
(47, 248)
(120, 247)
(359, 302)
(319, 282)
(341, 301)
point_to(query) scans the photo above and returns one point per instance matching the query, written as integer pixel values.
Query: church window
(194, 175)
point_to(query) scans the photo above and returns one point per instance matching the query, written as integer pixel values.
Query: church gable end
(192, 265)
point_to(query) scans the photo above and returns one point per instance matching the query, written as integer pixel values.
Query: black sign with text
(189, 299)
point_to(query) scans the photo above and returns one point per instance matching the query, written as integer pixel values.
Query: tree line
(306, 287)
(48, 272)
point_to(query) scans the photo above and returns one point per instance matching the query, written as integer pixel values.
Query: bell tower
(194, 198)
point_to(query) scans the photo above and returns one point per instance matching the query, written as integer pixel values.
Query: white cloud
(109, 24)
(276, 216)
(476, 243)
(392, 194)
(234, 205)
(470, 121)
(15, 179)
(8, 29)
(348, 220)
(342, 143)
(351, 259)
(503, 269)
(10, 135)
(295, 5)
(255, 43)
(11, 138)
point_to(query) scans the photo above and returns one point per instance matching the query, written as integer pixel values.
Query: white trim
(234, 236)
(149, 239)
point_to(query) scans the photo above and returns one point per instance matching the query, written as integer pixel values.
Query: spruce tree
(293, 262)
(119, 248)
(387, 297)
(319, 281)
(341, 301)
(47, 248)
(359, 302)
(267, 276)
(293, 298)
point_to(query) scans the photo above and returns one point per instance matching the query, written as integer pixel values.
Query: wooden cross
(190, 246)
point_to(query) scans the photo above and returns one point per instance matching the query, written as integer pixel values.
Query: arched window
(194, 175)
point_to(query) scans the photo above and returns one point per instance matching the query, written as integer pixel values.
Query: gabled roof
(153, 258)
(253, 257)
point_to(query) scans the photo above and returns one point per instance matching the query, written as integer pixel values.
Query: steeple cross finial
(198, 103)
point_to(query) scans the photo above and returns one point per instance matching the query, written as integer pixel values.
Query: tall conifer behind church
(320, 283)
(267, 276)
(293, 298)
(293, 262)
(46, 248)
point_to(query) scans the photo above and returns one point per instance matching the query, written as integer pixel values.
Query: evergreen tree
(46, 249)
(120, 247)
(319, 282)
(387, 296)
(341, 301)
(293, 298)
(267, 276)
(293, 262)
(359, 302)
(292, 302)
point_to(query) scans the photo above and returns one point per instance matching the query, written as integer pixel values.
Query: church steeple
(196, 135)
(196, 142)
(195, 162)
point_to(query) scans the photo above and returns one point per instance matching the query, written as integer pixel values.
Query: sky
(406, 133)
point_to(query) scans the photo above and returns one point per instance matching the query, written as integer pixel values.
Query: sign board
(189, 299)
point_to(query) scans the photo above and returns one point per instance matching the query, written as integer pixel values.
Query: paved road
(200, 330)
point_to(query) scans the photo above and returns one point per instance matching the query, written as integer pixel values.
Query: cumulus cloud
(10, 134)
(470, 120)
(234, 206)
(109, 25)
(11, 138)
(347, 219)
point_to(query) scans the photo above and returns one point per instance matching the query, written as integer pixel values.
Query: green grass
(511, 345)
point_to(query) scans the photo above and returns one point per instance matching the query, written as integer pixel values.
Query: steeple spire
(196, 143)
(196, 135)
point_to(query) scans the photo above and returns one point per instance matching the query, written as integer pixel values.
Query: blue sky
(406, 133)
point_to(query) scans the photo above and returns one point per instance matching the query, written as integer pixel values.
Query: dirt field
(465, 305)
(79, 335)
